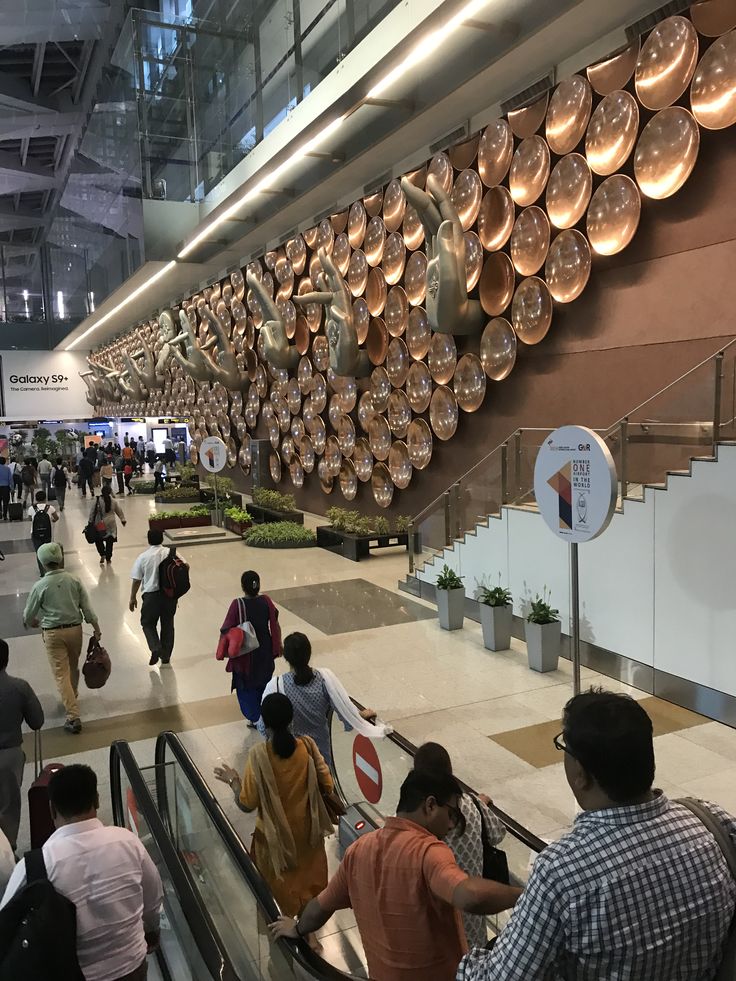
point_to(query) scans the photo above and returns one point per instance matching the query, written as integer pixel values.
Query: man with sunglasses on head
(639, 890)
(406, 889)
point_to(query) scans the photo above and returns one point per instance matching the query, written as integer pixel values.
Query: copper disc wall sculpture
(362, 339)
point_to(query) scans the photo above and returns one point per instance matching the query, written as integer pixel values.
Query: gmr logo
(584, 447)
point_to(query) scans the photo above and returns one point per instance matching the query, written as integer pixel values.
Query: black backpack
(59, 477)
(41, 527)
(26, 475)
(38, 930)
(173, 576)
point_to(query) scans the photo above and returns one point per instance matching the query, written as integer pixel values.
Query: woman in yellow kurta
(283, 781)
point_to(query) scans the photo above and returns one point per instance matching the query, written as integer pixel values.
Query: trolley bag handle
(37, 753)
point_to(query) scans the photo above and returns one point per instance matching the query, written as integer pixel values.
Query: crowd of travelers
(641, 888)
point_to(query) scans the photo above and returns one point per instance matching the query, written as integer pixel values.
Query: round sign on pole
(213, 454)
(575, 483)
(367, 768)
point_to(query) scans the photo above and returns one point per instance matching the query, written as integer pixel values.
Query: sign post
(576, 488)
(213, 457)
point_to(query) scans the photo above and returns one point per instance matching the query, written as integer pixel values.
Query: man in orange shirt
(406, 889)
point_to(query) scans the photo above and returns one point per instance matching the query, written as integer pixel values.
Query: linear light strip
(123, 303)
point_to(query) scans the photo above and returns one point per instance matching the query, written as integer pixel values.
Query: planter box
(451, 608)
(357, 547)
(163, 524)
(237, 527)
(496, 624)
(543, 645)
(264, 515)
(195, 521)
(192, 498)
(284, 545)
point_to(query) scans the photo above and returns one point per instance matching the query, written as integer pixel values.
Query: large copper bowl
(419, 386)
(380, 389)
(333, 456)
(666, 152)
(666, 63)
(530, 241)
(312, 311)
(394, 205)
(341, 253)
(713, 92)
(296, 252)
(615, 71)
(321, 353)
(495, 151)
(362, 314)
(441, 169)
(469, 383)
(318, 433)
(358, 273)
(496, 218)
(339, 222)
(418, 333)
(442, 357)
(529, 170)
(365, 409)
(274, 466)
(306, 454)
(412, 229)
(348, 480)
(568, 114)
(375, 293)
(443, 412)
(399, 412)
(467, 195)
(713, 17)
(399, 465)
(362, 460)
(531, 310)
(419, 443)
(374, 241)
(473, 260)
(463, 154)
(613, 215)
(498, 349)
(377, 341)
(612, 133)
(496, 284)
(304, 376)
(373, 203)
(326, 482)
(415, 278)
(568, 191)
(319, 392)
(293, 396)
(382, 485)
(346, 435)
(567, 269)
(379, 437)
(398, 362)
(396, 313)
(326, 237)
(296, 472)
(394, 258)
(357, 221)
(526, 121)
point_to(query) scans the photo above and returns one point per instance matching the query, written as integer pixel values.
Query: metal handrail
(195, 913)
(298, 951)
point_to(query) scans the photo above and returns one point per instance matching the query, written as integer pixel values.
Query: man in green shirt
(57, 603)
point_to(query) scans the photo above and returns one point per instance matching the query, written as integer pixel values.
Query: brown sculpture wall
(646, 317)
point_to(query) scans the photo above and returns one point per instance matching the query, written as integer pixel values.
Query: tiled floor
(494, 715)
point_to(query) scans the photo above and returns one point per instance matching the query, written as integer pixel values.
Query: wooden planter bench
(357, 547)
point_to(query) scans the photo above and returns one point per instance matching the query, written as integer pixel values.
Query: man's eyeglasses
(560, 744)
(456, 816)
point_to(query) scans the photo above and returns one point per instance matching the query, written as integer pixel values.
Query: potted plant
(197, 516)
(237, 520)
(450, 594)
(496, 614)
(543, 634)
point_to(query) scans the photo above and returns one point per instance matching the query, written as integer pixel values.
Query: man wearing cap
(58, 603)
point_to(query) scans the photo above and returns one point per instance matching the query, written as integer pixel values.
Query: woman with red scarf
(251, 672)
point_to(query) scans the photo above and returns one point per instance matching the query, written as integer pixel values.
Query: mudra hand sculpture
(346, 357)
(133, 387)
(224, 367)
(449, 310)
(93, 395)
(277, 350)
(196, 362)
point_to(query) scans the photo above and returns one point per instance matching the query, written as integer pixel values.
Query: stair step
(704, 459)
(661, 486)
(678, 473)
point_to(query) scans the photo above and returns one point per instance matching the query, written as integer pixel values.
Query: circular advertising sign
(575, 483)
(213, 454)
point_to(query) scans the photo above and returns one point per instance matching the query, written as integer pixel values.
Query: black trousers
(158, 481)
(4, 501)
(157, 621)
(105, 547)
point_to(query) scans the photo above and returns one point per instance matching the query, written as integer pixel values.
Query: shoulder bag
(97, 666)
(94, 531)
(495, 863)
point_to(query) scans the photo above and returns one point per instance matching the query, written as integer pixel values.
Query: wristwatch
(296, 928)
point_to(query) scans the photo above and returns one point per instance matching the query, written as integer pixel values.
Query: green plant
(175, 493)
(41, 440)
(144, 486)
(494, 595)
(187, 473)
(279, 534)
(164, 515)
(401, 523)
(541, 611)
(239, 515)
(198, 511)
(449, 579)
(381, 525)
(337, 518)
(225, 486)
(273, 500)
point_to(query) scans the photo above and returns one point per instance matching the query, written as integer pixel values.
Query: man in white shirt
(44, 472)
(169, 454)
(108, 875)
(156, 606)
(151, 453)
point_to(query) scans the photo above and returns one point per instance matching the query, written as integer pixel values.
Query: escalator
(217, 906)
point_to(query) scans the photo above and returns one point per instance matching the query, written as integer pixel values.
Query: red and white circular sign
(367, 768)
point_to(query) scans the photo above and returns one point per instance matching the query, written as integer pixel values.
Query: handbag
(333, 803)
(495, 863)
(727, 967)
(95, 531)
(97, 667)
(250, 641)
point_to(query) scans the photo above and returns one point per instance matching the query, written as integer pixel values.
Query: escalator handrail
(203, 932)
(299, 951)
(523, 834)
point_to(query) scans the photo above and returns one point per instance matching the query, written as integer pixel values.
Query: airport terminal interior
(419, 310)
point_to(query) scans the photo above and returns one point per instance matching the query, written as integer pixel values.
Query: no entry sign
(367, 768)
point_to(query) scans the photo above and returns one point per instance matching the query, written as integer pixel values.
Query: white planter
(451, 607)
(496, 624)
(543, 645)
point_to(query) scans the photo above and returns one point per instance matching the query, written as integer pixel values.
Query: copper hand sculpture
(93, 395)
(346, 356)
(224, 366)
(134, 387)
(278, 352)
(148, 372)
(449, 310)
(196, 362)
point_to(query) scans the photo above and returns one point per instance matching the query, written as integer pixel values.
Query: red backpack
(173, 576)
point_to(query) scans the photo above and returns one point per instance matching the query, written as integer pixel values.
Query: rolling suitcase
(15, 511)
(39, 815)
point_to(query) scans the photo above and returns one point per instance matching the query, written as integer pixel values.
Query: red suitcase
(39, 814)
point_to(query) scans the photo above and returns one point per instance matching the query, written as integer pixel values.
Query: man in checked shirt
(639, 890)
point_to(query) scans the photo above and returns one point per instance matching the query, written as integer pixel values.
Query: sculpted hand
(448, 308)
(278, 351)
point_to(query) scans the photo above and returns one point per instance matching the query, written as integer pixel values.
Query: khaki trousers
(64, 647)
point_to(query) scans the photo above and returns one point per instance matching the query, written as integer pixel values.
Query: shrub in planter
(273, 500)
(280, 534)
(237, 520)
(143, 486)
(496, 615)
(173, 494)
(355, 523)
(450, 594)
(543, 634)
(161, 520)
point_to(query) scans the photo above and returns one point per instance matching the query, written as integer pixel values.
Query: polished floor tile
(11, 615)
(349, 605)
(16, 545)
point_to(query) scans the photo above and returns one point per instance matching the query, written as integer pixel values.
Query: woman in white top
(107, 510)
(313, 694)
